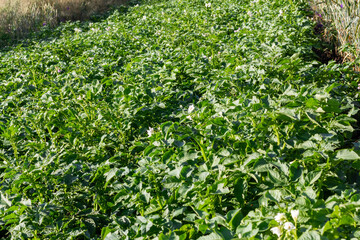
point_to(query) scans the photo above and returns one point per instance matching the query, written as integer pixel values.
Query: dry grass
(344, 19)
(19, 17)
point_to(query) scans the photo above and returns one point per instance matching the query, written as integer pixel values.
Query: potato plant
(179, 119)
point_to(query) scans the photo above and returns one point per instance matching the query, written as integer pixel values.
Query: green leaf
(111, 236)
(311, 103)
(346, 220)
(90, 225)
(326, 227)
(288, 114)
(185, 156)
(347, 154)
(176, 172)
(234, 218)
(10, 216)
(246, 231)
(109, 175)
(165, 128)
(312, 118)
(331, 87)
(275, 195)
(311, 235)
(277, 178)
(332, 106)
(212, 236)
(221, 189)
(309, 193)
(312, 177)
(154, 207)
(5, 200)
(203, 228)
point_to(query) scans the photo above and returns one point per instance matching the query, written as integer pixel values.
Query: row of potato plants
(180, 119)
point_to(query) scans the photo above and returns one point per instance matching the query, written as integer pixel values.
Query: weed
(18, 18)
(342, 18)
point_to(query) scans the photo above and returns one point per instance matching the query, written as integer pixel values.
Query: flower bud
(295, 214)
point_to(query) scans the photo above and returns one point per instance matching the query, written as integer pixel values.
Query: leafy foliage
(179, 120)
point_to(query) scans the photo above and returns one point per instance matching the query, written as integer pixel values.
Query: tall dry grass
(20, 17)
(343, 17)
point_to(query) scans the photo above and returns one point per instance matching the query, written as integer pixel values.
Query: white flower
(289, 226)
(295, 214)
(276, 230)
(150, 131)
(280, 217)
(81, 97)
(77, 30)
(249, 13)
(144, 17)
(189, 117)
(281, 12)
(207, 5)
(191, 108)
(320, 110)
